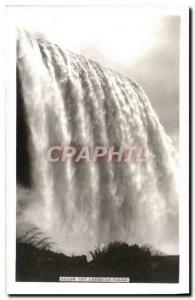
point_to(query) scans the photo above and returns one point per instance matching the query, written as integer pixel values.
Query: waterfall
(67, 99)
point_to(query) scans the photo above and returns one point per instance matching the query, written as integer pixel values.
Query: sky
(141, 45)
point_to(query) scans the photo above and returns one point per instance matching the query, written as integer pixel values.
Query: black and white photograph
(97, 142)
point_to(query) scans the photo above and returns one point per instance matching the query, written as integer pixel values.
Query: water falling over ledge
(67, 99)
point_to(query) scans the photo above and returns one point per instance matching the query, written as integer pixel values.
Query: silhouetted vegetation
(36, 238)
(35, 261)
(120, 251)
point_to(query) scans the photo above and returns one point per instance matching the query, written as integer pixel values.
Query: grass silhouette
(36, 238)
(121, 251)
(35, 261)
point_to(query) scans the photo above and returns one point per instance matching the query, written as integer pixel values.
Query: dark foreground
(117, 260)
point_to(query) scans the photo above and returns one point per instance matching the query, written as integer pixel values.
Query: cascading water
(67, 99)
